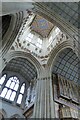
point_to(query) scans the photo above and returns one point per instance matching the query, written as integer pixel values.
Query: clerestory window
(39, 43)
(29, 37)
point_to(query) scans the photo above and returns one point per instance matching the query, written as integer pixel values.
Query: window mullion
(6, 92)
(17, 94)
(14, 85)
(11, 94)
(10, 84)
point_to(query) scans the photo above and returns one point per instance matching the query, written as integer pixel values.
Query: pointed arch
(57, 50)
(66, 64)
(14, 54)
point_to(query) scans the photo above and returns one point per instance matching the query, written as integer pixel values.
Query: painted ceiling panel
(41, 26)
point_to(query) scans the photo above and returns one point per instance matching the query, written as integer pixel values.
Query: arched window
(2, 79)
(10, 89)
(19, 100)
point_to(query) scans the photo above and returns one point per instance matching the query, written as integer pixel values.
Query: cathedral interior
(40, 60)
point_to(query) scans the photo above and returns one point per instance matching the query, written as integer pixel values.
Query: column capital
(44, 78)
(45, 73)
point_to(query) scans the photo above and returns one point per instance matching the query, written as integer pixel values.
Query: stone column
(44, 104)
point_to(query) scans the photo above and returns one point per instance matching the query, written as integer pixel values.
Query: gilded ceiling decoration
(41, 26)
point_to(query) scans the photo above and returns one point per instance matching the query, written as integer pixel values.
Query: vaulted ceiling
(69, 11)
(67, 62)
(67, 65)
(22, 66)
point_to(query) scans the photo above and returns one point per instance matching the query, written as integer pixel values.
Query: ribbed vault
(67, 10)
(23, 67)
(67, 65)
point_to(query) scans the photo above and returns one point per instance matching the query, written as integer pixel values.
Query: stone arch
(57, 50)
(9, 56)
(10, 35)
(66, 64)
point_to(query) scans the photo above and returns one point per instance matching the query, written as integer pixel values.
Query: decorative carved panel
(66, 112)
(66, 92)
